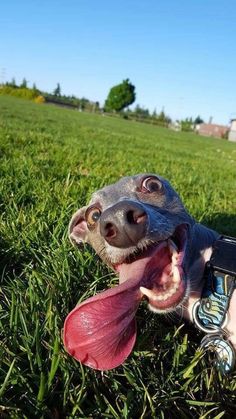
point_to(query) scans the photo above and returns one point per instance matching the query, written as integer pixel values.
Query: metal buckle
(222, 350)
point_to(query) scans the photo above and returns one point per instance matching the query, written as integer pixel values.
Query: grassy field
(51, 159)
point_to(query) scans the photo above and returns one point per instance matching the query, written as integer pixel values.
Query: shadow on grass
(222, 222)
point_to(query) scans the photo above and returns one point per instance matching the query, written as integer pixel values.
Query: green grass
(51, 159)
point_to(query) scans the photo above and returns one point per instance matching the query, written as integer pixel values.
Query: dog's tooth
(164, 295)
(167, 295)
(175, 287)
(172, 246)
(156, 297)
(151, 295)
(175, 275)
(174, 252)
(174, 260)
(147, 292)
(160, 297)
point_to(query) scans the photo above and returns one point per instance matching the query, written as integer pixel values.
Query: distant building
(213, 130)
(232, 131)
(176, 126)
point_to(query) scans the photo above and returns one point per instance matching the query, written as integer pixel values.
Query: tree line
(118, 101)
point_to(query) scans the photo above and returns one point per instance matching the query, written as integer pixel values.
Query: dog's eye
(92, 215)
(151, 184)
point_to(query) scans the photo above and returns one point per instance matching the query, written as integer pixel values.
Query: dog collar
(210, 312)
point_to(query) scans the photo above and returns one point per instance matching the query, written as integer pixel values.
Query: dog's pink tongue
(101, 331)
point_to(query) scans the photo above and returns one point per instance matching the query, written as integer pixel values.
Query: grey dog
(140, 228)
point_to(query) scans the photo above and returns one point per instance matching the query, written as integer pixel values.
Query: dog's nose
(123, 224)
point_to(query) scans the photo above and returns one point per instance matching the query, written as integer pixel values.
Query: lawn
(51, 160)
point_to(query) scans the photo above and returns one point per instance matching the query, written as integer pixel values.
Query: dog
(141, 229)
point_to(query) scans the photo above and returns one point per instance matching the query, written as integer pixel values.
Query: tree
(34, 87)
(163, 119)
(13, 82)
(84, 103)
(24, 83)
(120, 96)
(198, 120)
(141, 112)
(187, 124)
(154, 114)
(57, 91)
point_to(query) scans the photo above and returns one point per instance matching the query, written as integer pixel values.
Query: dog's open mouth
(101, 331)
(161, 273)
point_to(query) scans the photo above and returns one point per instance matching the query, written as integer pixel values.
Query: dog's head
(140, 228)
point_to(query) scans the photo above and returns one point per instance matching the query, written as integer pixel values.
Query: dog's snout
(123, 224)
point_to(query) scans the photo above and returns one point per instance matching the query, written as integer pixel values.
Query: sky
(180, 55)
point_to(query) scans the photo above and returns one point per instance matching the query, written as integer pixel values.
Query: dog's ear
(78, 229)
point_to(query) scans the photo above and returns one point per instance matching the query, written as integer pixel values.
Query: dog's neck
(196, 282)
(199, 253)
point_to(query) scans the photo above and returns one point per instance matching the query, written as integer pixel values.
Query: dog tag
(222, 351)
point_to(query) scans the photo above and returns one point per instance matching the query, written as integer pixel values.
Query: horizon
(178, 56)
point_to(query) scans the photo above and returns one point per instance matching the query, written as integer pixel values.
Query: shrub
(39, 99)
(21, 92)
